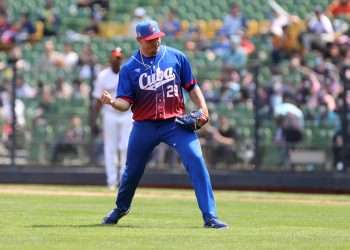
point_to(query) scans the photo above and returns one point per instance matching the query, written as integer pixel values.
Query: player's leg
(143, 139)
(110, 149)
(122, 158)
(187, 145)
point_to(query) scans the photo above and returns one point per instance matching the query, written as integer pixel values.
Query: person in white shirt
(140, 15)
(116, 125)
(320, 23)
(320, 30)
(289, 119)
(70, 57)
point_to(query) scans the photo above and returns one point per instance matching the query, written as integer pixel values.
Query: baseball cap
(117, 52)
(148, 30)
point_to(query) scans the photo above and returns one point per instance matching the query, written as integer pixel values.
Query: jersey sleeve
(98, 87)
(188, 82)
(125, 88)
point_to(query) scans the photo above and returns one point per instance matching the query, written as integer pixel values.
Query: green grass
(55, 217)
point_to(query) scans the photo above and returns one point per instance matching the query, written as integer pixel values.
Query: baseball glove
(192, 121)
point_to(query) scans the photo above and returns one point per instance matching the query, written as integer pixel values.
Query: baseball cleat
(114, 216)
(215, 223)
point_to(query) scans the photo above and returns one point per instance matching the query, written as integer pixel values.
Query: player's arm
(97, 105)
(198, 99)
(118, 103)
(196, 119)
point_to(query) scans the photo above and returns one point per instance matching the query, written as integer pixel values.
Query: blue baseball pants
(144, 137)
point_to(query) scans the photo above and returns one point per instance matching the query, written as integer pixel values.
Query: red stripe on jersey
(189, 86)
(148, 107)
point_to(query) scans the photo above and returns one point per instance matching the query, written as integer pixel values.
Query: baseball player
(116, 125)
(151, 82)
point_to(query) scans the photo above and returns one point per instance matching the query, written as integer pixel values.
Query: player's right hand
(106, 98)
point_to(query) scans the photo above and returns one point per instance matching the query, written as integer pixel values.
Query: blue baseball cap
(148, 30)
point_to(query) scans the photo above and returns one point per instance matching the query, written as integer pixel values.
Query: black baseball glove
(192, 121)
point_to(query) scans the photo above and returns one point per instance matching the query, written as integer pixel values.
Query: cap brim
(153, 36)
(116, 53)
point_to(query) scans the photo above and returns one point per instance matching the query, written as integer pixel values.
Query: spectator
(25, 28)
(80, 89)
(339, 8)
(7, 111)
(229, 90)
(23, 89)
(7, 32)
(51, 57)
(286, 45)
(233, 23)
(220, 142)
(70, 142)
(339, 154)
(209, 92)
(76, 94)
(236, 58)
(279, 19)
(319, 23)
(87, 63)
(93, 28)
(247, 45)
(70, 57)
(290, 125)
(304, 91)
(45, 106)
(325, 116)
(247, 88)
(191, 32)
(50, 19)
(221, 45)
(63, 90)
(98, 8)
(7, 115)
(171, 26)
(139, 16)
(21, 63)
(225, 139)
(3, 6)
(320, 30)
(333, 53)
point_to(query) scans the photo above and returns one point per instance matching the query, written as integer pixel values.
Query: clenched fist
(106, 98)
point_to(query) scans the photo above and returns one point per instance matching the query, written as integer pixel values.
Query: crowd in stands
(300, 60)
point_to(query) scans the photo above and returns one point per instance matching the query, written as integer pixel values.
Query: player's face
(151, 47)
(115, 63)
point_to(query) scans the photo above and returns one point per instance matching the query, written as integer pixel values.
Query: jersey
(154, 85)
(108, 80)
